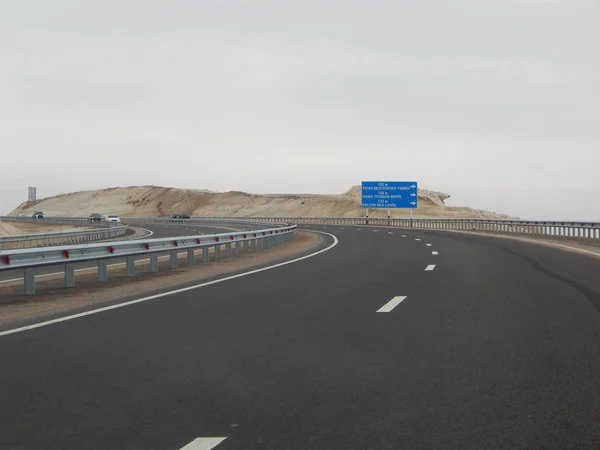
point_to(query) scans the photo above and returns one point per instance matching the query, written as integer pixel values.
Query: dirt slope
(8, 229)
(153, 201)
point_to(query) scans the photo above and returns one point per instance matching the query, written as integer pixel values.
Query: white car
(112, 218)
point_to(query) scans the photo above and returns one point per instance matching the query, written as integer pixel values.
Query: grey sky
(495, 102)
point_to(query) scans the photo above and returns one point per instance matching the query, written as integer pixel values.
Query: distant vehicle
(38, 215)
(96, 217)
(179, 216)
(112, 218)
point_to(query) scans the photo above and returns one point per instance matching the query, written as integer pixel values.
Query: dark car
(179, 216)
(96, 217)
(38, 215)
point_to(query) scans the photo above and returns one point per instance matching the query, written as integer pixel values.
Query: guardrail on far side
(585, 231)
(60, 238)
(80, 221)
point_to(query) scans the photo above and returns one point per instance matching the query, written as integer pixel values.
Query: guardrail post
(191, 260)
(154, 262)
(205, 255)
(253, 245)
(29, 281)
(102, 270)
(69, 275)
(217, 251)
(130, 266)
(238, 248)
(246, 246)
(173, 258)
(228, 250)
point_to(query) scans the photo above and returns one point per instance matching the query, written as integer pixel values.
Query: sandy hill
(8, 229)
(153, 201)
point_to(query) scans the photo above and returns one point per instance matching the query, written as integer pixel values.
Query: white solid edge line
(204, 443)
(430, 267)
(165, 294)
(434, 253)
(391, 304)
(150, 233)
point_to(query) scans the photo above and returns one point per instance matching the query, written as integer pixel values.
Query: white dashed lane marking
(391, 304)
(207, 443)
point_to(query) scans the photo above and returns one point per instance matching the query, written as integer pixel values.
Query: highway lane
(495, 347)
(158, 231)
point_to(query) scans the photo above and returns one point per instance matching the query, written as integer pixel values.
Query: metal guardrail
(209, 221)
(574, 230)
(101, 230)
(587, 231)
(108, 230)
(566, 229)
(60, 237)
(60, 221)
(101, 253)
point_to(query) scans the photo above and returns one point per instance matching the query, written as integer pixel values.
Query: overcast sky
(495, 102)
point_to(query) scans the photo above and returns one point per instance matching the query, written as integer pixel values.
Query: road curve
(489, 343)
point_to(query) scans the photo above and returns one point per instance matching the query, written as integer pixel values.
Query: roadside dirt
(10, 228)
(53, 298)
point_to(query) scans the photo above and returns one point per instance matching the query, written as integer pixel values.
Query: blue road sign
(389, 194)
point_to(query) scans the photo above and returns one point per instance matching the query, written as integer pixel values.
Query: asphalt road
(495, 346)
(158, 231)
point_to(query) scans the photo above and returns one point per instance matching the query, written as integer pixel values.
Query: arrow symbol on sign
(413, 186)
(413, 195)
(413, 203)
